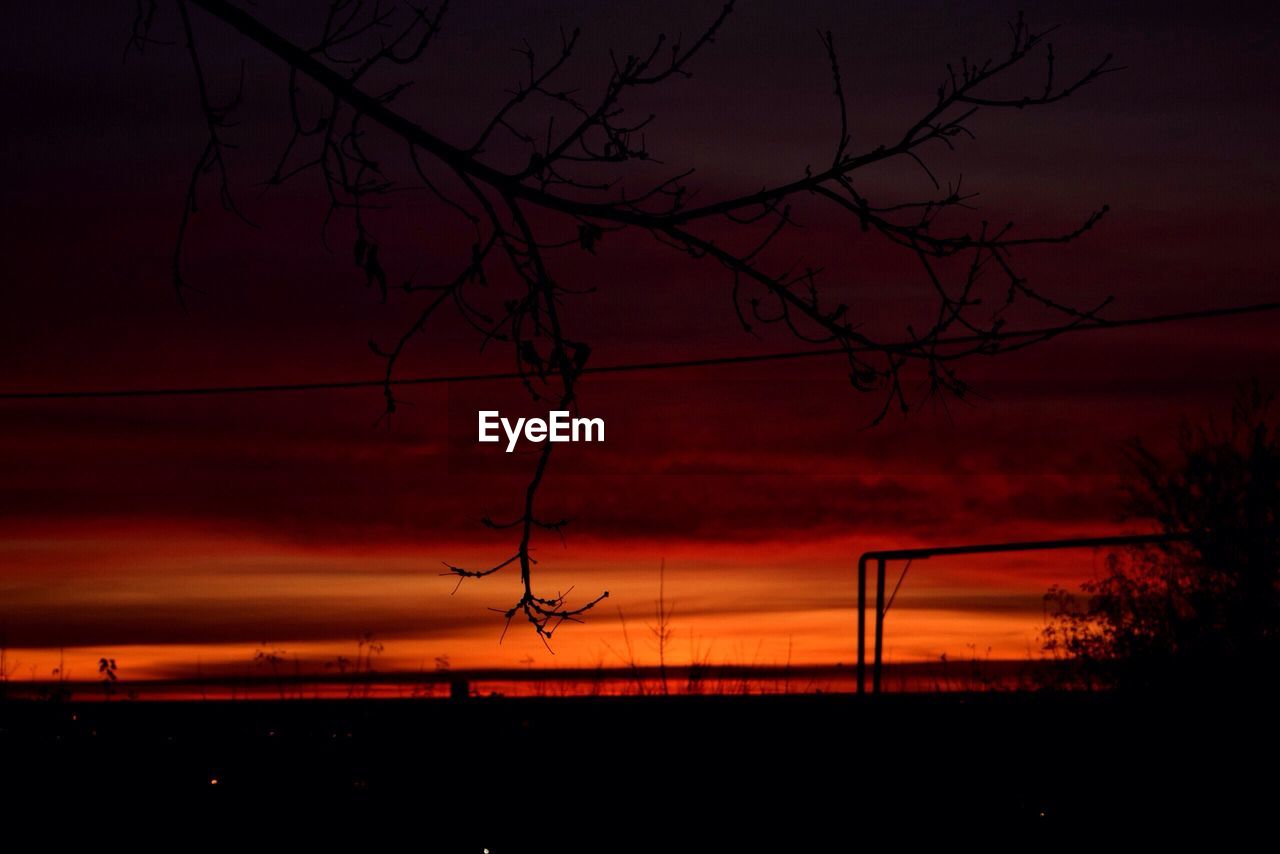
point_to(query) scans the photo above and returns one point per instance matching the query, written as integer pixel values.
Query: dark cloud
(111, 625)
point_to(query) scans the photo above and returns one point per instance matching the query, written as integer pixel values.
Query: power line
(633, 367)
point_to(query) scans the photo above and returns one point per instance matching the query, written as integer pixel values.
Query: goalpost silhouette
(882, 557)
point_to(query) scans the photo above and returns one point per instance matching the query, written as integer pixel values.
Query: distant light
(214, 781)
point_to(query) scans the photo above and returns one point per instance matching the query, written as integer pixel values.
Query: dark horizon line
(539, 674)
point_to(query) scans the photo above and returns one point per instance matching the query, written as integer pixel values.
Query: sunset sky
(181, 532)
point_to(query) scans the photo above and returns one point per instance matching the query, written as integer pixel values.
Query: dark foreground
(619, 773)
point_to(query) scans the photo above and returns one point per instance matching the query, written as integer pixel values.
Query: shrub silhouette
(1197, 614)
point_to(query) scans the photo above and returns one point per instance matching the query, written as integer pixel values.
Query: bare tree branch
(569, 194)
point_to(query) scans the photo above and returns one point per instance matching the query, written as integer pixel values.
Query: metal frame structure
(883, 557)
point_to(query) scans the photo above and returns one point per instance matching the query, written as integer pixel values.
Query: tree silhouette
(556, 170)
(1199, 613)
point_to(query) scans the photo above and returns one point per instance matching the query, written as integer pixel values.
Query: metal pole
(862, 624)
(876, 667)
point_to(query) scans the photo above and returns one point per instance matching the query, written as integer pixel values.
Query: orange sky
(203, 550)
(207, 597)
